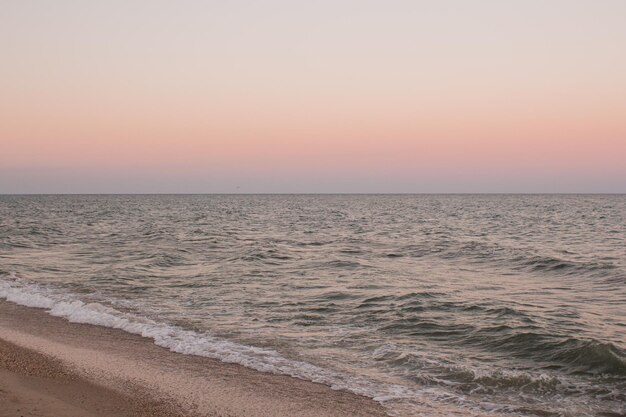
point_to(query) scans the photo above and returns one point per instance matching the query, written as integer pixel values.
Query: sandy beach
(51, 367)
(33, 384)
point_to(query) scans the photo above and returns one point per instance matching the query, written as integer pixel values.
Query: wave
(167, 260)
(588, 356)
(189, 342)
(342, 264)
(494, 332)
(517, 259)
(467, 379)
(452, 384)
(554, 264)
(263, 255)
(592, 356)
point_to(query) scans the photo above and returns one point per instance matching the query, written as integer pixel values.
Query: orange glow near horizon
(468, 100)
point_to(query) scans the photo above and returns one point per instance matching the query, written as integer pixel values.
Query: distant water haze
(341, 96)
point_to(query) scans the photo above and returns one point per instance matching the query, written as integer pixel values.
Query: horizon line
(316, 193)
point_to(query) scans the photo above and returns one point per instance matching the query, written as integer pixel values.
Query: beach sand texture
(50, 367)
(33, 384)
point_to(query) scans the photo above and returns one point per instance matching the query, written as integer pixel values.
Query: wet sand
(50, 367)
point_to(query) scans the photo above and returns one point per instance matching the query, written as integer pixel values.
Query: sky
(153, 96)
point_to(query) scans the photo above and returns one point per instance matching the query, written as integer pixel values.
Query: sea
(433, 305)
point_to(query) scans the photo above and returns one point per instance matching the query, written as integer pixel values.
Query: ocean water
(433, 304)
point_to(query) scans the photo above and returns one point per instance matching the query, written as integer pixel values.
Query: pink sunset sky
(303, 96)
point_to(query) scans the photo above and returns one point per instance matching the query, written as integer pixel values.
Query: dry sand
(50, 367)
(32, 384)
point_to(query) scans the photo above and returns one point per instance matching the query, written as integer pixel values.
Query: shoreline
(49, 363)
